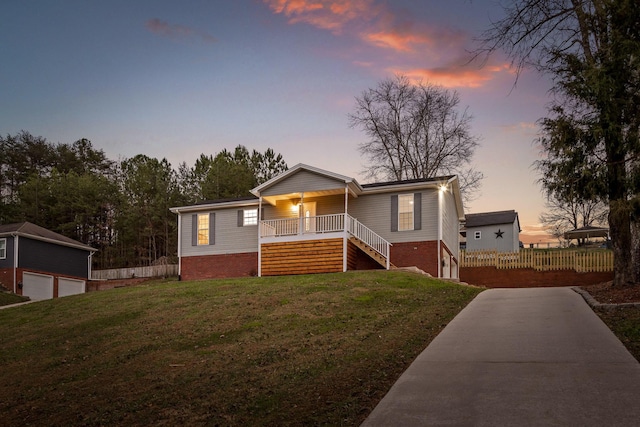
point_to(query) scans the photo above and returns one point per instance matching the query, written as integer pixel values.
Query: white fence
(541, 260)
(129, 273)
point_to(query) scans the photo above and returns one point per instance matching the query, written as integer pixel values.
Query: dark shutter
(417, 211)
(394, 213)
(194, 230)
(212, 229)
(240, 218)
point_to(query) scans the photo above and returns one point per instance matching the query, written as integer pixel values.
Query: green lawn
(302, 350)
(7, 298)
(625, 323)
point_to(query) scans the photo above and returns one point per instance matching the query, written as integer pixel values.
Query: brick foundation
(219, 266)
(492, 277)
(6, 278)
(423, 255)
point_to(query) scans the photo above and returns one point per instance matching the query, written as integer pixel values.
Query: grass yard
(625, 323)
(7, 298)
(302, 350)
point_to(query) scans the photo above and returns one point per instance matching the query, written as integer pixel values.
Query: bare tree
(416, 131)
(565, 215)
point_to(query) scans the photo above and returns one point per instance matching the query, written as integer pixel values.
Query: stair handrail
(369, 237)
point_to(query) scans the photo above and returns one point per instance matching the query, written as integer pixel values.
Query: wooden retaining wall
(303, 257)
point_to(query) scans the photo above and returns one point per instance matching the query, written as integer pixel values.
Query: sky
(175, 79)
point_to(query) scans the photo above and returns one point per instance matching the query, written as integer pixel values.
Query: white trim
(303, 237)
(54, 241)
(4, 239)
(214, 205)
(439, 257)
(15, 262)
(300, 166)
(346, 234)
(179, 246)
(259, 239)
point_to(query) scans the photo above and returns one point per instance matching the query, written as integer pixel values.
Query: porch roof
(343, 182)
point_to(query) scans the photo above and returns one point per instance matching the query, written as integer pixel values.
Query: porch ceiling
(307, 195)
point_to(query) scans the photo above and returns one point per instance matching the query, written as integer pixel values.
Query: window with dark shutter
(203, 229)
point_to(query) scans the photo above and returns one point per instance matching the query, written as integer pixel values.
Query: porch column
(301, 215)
(260, 237)
(345, 227)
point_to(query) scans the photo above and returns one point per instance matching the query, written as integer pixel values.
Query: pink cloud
(330, 15)
(395, 41)
(174, 31)
(454, 76)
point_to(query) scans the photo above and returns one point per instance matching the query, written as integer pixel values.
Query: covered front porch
(325, 243)
(304, 225)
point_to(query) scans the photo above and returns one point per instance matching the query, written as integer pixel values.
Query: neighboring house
(499, 231)
(41, 264)
(309, 220)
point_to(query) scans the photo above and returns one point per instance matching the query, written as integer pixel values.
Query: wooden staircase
(375, 255)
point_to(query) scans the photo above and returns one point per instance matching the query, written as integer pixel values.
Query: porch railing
(309, 225)
(370, 237)
(334, 223)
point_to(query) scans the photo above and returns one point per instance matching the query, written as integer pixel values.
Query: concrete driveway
(518, 357)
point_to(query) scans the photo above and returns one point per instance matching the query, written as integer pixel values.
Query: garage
(37, 286)
(68, 287)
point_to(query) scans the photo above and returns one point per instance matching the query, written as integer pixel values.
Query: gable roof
(491, 218)
(351, 183)
(447, 183)
(36, 232)
(439, 179)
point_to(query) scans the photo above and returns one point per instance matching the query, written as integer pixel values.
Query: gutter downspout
(88, 268)
(260, 237)
(439, 257)
(179, 245)
(15, 262)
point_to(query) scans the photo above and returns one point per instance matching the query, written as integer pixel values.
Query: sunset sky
(177, 79)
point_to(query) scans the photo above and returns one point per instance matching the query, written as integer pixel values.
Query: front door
(309, 214)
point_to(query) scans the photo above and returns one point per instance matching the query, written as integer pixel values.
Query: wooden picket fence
(582, 261)
(165, 270)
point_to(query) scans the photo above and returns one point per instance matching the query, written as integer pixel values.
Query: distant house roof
(491, 218)
(586, 232)
(28, 229)
(408, 181)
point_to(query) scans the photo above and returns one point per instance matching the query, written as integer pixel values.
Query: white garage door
(37, 286)
(70, 287)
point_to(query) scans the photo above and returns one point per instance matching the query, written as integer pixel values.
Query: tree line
(119, 207)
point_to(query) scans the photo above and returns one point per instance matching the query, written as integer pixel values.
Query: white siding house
(499, 231)
(309, 220)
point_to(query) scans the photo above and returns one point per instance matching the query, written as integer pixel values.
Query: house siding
(326, 205)
(450, 225)
(374, 211)
(51, 258)
(8, 261)
(229, 237)
(489, 241)
(303, 181)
